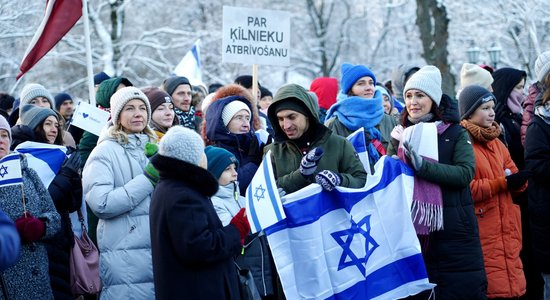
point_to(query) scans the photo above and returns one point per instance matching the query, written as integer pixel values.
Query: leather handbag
(247, 287)
(84, 264)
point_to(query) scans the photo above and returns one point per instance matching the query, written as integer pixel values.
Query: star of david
(3, 171)
(259, 193)
(344, 238)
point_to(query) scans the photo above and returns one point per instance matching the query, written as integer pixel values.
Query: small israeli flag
(10, 170)
(45, 159)
(263, 204)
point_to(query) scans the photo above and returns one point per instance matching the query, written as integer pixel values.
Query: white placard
(89, 118)
(256, 36)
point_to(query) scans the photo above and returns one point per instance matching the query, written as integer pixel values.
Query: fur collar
(191, 175)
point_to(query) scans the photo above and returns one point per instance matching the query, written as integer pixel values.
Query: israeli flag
(45, 159)
(351, 243)
(89, 118)
(190, 65)
(10, 170)
(263, 204)
(357, 139)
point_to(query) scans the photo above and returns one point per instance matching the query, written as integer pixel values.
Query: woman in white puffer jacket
(118, 192)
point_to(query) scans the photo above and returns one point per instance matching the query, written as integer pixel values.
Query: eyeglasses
(241, 118)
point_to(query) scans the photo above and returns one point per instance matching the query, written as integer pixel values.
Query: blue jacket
(246, 147)
(9, 242)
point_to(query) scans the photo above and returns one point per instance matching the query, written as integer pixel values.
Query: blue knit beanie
(219, 159)
(352, 73)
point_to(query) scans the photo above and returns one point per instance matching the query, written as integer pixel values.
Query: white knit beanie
(542, 66)
(472, 74)
(125, 95)
(183, 144)
(5, 125)
(33, 90)
(231, 109)
(427, 80)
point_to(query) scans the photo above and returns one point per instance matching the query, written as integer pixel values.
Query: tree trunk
(432, 22)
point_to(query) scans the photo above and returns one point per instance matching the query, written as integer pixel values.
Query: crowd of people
(163, 185)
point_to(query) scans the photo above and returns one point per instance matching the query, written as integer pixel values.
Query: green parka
(339, 155)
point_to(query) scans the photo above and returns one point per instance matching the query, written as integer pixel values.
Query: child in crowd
(255, 256)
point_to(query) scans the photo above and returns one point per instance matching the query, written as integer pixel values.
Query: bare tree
(433, 24)
(321, 17)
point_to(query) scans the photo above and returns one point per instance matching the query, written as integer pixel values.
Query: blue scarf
(355, 112)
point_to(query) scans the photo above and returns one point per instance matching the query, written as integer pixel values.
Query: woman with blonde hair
(118, 181)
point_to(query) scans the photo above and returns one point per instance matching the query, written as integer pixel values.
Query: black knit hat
(169, 85)
(60, 98)
(471, 97)
(245, 81)
(291, 104)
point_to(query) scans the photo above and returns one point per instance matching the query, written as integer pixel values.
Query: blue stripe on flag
(9, 158)
(387, 278)
(312, 208)
(196, 55)
(270, 190)
(253, 209)
(11, 181)
(358, 142)
(53, 157)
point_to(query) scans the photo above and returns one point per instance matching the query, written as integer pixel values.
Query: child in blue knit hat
(223, 165)
(255, 255)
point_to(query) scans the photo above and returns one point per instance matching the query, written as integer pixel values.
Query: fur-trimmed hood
(233, 90)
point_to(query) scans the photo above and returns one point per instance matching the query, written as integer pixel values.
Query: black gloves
(517, 180)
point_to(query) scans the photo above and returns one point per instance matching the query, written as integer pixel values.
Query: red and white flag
(59, 18)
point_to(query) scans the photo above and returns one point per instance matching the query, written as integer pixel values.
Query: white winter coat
(119, 194)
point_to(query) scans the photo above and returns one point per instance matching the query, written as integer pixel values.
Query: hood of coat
(296, 93)
(233, 90)
(191, 175)
(326, 89)
(216, 132)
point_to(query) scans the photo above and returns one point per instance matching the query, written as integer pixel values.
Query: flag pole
(255, 84)
(89, 66)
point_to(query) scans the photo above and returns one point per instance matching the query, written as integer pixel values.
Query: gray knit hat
(472, 97)
(542, 66)
(125, 95)
(183, 144)
(5, 125)
(32, 115)
(472, 74)
(33, 90)
(427, 80)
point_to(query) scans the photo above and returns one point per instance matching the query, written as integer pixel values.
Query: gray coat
(119, 195)
(28, 278)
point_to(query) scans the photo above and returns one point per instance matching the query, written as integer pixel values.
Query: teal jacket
(339, 155)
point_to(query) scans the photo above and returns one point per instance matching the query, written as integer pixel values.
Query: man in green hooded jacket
(304, 151)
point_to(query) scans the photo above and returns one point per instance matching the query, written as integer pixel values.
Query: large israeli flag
(10, 170)
(351, 243)
(45, 159)
(263, 204)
